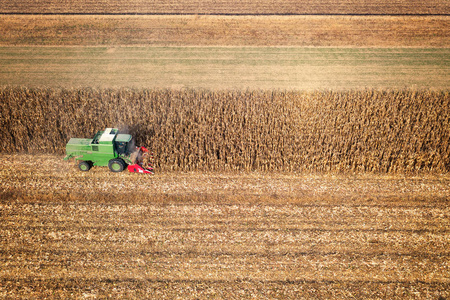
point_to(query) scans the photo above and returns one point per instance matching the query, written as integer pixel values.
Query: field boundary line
(218, 14)
(215, 281)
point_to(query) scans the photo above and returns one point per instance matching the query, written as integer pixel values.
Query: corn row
(353, 131)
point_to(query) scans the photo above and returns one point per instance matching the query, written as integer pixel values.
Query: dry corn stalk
(354, 131)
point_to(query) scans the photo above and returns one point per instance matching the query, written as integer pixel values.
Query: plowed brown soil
(227, 6)
(310, 31)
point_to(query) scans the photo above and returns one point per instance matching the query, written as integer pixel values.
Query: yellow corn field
(348, 131)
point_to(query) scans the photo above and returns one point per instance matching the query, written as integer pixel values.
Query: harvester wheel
(116, 165)
(84, 166)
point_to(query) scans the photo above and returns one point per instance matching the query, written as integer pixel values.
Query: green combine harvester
(109, 148)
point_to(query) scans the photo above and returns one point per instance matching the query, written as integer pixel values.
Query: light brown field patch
(225, 68)
(227, 7)
(335, 31)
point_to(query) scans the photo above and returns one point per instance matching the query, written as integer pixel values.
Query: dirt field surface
(227, 6)
(69, 234)
(219, 68)
(309, 31)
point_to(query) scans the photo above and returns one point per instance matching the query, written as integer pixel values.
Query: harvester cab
(110, 148)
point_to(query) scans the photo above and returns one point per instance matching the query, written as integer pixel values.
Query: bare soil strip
(339, 31)
(66, 233)
(272, 7)
(222, 68)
